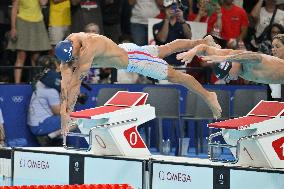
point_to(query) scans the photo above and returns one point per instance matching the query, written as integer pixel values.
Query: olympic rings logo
(17, 99)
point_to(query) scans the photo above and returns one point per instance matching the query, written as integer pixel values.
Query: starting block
(256, 139)
(112, 128)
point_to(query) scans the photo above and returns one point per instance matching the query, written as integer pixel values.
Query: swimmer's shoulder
(83, 36)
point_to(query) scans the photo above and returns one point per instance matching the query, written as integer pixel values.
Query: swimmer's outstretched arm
(66, 74)
(74, 89)
(180, 45)
(70, 85)
(69, 96)
(242, 58)
(204, 50)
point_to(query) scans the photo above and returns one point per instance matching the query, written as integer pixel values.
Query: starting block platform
(256, 139)
(112, 129)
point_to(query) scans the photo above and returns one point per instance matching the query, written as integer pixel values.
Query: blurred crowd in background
(31, 28)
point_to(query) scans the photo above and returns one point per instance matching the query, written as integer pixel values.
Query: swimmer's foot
(214, 105)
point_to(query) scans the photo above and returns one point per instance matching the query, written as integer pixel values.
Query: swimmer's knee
(174, 75)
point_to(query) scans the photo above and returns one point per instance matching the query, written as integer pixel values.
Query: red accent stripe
(96, 111)
(88, 3)
(139, 52)
(271, 108)
(237, 123)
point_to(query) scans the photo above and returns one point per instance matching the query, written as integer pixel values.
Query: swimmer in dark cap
(222, 71)
(251, 66)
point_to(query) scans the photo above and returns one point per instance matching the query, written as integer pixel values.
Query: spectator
(266, 48)
(204, 14)
(171, 28)
(278, 46)
(4, 19)
(84, 12)
(111, 12)
(59, 21)
(92, 28)
(44, 109)
(2, 131)
(141, 11)
(8, 58)
(234, 24)
(28, 33)
(193, 6)
(262, 17)
(266, 45)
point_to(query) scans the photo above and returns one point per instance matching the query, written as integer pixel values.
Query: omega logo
(174, 177)
(34, 164)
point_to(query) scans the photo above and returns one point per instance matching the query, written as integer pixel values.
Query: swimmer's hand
(64, 124)
(186, 57)
(213, 59)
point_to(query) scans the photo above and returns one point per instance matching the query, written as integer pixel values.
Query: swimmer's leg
(193, 85)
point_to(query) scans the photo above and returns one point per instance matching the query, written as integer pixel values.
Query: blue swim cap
(63, 51)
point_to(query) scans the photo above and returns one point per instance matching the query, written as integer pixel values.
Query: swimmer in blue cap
(230, 64)
(63, 51)
(81, 51)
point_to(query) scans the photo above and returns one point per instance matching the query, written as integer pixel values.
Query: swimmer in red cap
(252, 66)
(81, 51)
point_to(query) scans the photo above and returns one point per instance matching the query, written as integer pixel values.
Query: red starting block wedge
(112, 128)
(256, 139)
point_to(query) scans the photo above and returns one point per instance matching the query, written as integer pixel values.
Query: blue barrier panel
(14, 102)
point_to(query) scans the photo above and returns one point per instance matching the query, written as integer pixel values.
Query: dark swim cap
(222, 69)
(63, 51)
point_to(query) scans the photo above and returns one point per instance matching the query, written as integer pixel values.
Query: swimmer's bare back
(97, 50)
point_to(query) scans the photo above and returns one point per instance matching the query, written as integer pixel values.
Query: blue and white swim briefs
(145, 61)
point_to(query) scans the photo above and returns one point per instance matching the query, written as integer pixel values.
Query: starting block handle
(213, 144)
(76, 135)
(90, 134)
